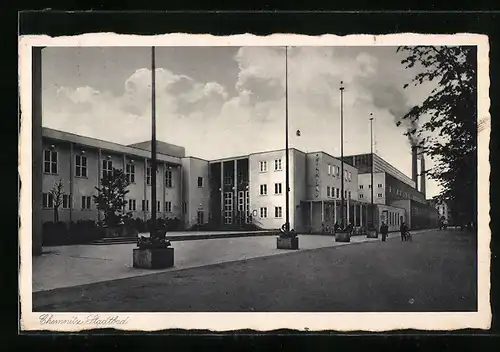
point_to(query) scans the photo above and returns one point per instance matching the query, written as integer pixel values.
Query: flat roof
(104, 145)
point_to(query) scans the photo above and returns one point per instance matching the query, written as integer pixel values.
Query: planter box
(372, 234)
(287, 243)
(153, 258)
(342, 237)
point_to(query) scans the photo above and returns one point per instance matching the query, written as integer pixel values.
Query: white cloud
(210, 123)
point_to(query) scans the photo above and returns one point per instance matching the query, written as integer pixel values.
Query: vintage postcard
(244, 182)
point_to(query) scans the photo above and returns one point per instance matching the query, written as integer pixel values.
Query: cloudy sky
(225, 101)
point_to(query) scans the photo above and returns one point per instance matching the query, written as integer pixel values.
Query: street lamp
(371, 170)
(342, 209)
(287, 237)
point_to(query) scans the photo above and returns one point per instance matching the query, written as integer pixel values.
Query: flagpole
(287, 167)
(153, 145)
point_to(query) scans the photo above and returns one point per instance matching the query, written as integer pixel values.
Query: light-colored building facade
(230, 192)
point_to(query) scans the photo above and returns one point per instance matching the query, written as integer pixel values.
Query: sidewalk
(435, 273)
(68, 266)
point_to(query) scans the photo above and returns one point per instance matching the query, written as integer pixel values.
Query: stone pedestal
(158, 258)
(287, 243)
(342, 237)
(372, 234)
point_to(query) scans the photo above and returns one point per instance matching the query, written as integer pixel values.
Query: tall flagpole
(153, 145)
(371, 170)
(287, 179)
(342, 177)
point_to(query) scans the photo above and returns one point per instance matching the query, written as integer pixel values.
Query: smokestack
(422, 174)
(414, 165)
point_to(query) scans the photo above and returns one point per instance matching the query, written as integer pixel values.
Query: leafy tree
(57, 193)
(449, 134)
(110, 198)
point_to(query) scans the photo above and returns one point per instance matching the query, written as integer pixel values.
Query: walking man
(404, 230)
(384, 230)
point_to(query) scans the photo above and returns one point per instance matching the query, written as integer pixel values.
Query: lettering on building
(317, 176)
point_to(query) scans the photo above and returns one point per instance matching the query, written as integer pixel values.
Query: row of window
(379, 195)
(278, 189)
(393, 219)
(335, 171)
(50, 166)
(332, 192)
(370, 186)
(277, 165)
(278, 212)
(86, 203)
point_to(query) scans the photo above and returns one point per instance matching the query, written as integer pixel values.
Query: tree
(110, 198)
(57, 194)
(451, 112)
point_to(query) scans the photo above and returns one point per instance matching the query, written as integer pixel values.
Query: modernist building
(80, 163)
(397, 196)
(227, 193)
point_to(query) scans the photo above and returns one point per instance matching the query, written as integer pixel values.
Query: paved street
(436, 272)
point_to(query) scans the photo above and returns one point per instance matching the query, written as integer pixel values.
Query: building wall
(379, 190)
(392, 216)
(320, 177)
(396, 190)
(404, 204)
(269, 178)
(298, 180)
(195, 198)
(78, 186)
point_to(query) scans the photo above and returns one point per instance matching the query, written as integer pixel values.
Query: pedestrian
(445, 224)
(384, 230)
(404, 230)
(336, 227)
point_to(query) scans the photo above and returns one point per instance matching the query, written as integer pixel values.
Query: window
(148, 175)
(263, 166)
(361, 196)
(328, 191)
(360, 186)
(168, 178)
(277, 165)
(50, 161)
(131, 205)
(369, 186)
(345, 193)
(277, 188)
(349, 176)
(145, 205)
(158, 205)
(337, 171)
(86, 203)
(130, 173)
(379, 195)
(200, 182)
(168, 207)
(48, 200)
(278, 212)
(338, 192)
(184, 207)
(107, 168)
(263, 212)
(66, 201)
(390, 189)
(329, 169)
(379, 185)
(263, 190)
(81, 166)
(349, 194)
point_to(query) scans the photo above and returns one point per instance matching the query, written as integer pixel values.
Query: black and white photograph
(341, 180)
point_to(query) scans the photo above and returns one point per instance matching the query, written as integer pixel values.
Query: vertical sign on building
(317, 176)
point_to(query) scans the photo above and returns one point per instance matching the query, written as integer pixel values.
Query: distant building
(393, 191)
(443, 209)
